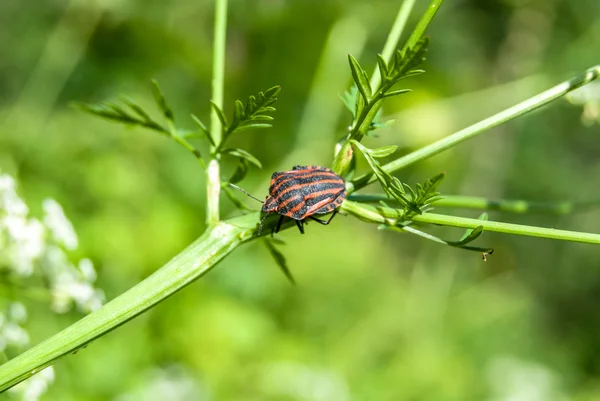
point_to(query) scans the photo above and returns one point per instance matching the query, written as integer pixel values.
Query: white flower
(587, 96)
(28, 245)
(514, 379)
(25, 242)
(70, 284)
(60, 227)
(301, 382)
(11, 333)
(17, 312)
(173, 383)
(584, 94)
(86, 267)
(34, 387)
(21, 239)
(10, 202)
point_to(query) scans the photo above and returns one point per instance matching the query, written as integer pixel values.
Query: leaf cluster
(413, 201)
(403, 65)
(131, 113)
(251, 115)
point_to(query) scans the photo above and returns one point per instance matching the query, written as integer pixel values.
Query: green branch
(524, 107)
(389, 216)
(213, 171)
(508, 228)
(391, 43)
(503, 205)
(197, 259)
(398, 65)
(423, 23)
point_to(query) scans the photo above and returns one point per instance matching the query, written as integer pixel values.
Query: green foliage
(366, 107)
(469, 236)
(161, 101)
(279, 260)
(426, 194)
(243, 155)
(259, 321)
(240, 172)
(252, 115)
(392, 186)
(402, 66)
(129, 114)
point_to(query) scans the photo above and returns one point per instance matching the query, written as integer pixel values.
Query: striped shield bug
(301, 193)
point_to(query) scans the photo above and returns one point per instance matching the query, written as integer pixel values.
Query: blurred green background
(376, 315)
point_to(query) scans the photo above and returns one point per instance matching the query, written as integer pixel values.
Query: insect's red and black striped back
(304, 191)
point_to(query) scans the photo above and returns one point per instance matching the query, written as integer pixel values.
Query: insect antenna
(241, 190)
(255, 198)
(261, 223)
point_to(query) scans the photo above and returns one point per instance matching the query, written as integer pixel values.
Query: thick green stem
(384, 215)
(213, 173)
(197, 259)
(512, 112)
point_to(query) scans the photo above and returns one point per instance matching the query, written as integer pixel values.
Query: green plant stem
(423, 23)
(506, 115)
(508, 228)
(504, 205)
(362, 122)
(391, 43)
(213, 171)
(384, 215)
(218, 241)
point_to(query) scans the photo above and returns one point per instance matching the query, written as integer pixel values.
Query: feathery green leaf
(241, 153)
(280, 260)
(360, 78)
(161, 101)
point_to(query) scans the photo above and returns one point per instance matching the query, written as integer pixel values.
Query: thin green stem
(362, 122)
(213, 173)
(513, 206)
(423, 23)
(504, 205)
(506, 115)
(456, 244)
(391, 44)
(389, 216)
(218, 79)
(508, 228)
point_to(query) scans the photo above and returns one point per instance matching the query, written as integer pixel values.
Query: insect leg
(276, 230)
(323, 221)
(300, 226)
